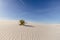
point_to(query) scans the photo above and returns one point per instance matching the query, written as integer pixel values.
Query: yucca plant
(22, 22)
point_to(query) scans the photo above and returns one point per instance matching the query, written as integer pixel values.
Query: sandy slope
(11, 30)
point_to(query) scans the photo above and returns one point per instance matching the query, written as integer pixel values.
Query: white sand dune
(11, 30)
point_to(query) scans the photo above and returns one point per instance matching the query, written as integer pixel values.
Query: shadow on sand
(28, 26)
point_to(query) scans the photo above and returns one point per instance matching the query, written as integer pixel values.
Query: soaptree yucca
(22, 22)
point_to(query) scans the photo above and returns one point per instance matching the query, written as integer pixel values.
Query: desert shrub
(22, 22)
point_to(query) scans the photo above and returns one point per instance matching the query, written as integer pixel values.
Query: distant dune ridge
(11, 30)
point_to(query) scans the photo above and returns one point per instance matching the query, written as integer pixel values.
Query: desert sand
(11, 30)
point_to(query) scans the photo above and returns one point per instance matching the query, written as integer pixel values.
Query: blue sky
(32, 10)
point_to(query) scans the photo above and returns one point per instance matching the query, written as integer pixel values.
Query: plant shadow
(28, 26)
